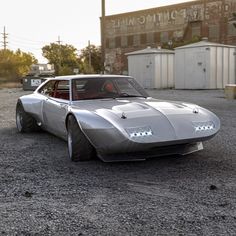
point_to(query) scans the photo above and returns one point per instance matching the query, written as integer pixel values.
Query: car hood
(166, 120)
(135, 107)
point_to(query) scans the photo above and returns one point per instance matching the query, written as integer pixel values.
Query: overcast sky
(31, 24)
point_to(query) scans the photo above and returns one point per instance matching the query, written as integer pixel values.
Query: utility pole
(103, 33)
(90, 59)
(4, 42)
(59, 54)
(59, 40)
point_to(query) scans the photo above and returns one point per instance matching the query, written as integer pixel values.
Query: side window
(62, 90)
(78, 89)
(56, 89)
(63, 85)
(48, 89)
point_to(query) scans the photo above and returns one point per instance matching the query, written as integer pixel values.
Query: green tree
(91, 54)
(64, 57)
(14, 65)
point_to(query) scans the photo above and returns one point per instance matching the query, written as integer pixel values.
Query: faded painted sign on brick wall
(159, 18)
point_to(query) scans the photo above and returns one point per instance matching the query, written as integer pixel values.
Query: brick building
(168, 25)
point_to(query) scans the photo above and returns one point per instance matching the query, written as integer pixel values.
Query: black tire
(79, 147)
(25, 123)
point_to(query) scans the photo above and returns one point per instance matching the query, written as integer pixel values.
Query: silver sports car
(113, 117)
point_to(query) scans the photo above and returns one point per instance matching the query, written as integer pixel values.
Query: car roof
(69, 77)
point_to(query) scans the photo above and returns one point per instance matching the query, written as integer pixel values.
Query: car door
(55, 108)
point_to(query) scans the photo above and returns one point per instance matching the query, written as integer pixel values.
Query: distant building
(42, 70)
(160, 26)
(38, 73)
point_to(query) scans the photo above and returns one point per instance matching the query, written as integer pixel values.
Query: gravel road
(43, 193)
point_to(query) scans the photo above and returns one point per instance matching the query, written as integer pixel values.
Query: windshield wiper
(126, 95)
(98, 98)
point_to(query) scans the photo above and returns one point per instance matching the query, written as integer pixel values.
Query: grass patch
(9, 84)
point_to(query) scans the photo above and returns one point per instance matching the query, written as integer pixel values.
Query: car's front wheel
(79, 147)
(25, 123)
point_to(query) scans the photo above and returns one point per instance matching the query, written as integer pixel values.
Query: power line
(4, 42)
(11, 39)
(23, 46)
(28, 40)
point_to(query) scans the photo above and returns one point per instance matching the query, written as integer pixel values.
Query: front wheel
(79, 147)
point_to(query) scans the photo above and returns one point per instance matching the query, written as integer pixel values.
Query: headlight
(204, 126)
(139, 132)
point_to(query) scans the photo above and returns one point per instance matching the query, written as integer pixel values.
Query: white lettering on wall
(177, 16)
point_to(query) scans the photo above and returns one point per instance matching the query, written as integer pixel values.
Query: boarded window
(164, 37)
(196, 31)
(130, 40)
(150, 38)
(157, 37)
(214, 31)
(124, 41)
(111, 42)
(136, 40)
(118, 42)
(107, 43)
(143, 38)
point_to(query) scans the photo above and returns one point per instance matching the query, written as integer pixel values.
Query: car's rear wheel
(25, 123)
(79, 147)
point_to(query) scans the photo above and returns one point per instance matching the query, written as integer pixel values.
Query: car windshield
(107, 87)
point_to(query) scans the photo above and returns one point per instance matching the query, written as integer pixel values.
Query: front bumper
(112, 145)
(181, 149)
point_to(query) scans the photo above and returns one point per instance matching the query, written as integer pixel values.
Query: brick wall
(171, 24)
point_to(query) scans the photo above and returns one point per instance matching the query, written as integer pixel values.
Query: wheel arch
(67, 117)
(89, 121)
(80, 126)
(25, 122)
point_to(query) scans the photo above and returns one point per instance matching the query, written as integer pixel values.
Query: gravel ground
(43, 193)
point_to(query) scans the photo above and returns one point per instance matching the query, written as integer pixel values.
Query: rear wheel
(25, 123)
(79, 147)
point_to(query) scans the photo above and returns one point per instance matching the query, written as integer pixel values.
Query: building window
(112, 43)
(118, 42)
(214, 31)
(107, 43)
(143, 38)
(124, 41)
(150, 38)
(130, 40)
(136, 40)
(196, 31)
(157, 37)
(164, 37)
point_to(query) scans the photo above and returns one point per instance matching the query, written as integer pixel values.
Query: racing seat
(108, 87)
